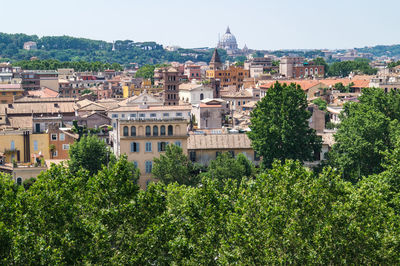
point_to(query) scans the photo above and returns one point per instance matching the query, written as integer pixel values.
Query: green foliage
(368, 128)
(89, 153)
(320, 103)
(146, 71)
(82, 51)
(343, 69)
(28, 182)
(279, 126)
(285, 215)
(227, 167)
(52, 64)
(174, 166)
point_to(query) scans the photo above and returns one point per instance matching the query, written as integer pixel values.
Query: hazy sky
(268, 24)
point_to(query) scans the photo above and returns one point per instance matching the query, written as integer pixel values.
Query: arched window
(162, 131)
(19, 181)
(148, 131)
(133, 131)
(155, 130)
(126, 131)
(201, 96)
(170, 130)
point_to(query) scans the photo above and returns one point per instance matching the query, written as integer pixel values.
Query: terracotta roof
(43, 93)
(239, 94)
(189, 86)
(30, 108)
(223, 141)
(22, 122)
(204, 105)
(44, 99)
(360, 84)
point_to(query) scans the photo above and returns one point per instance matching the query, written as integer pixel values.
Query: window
(114, 115)
(19, 181)
(201, 96)
(53, 136)
(148, 146)
(170, 130)
(123, 115)
(256, 156)
(142, 115)
(165, 114)
(55, 154)
(155, 130)
(65, 147)
(134, 147)
(162, 131)
(149, 166)
(232, 153)
(12, 146)
(192, 156)
(153, 115)
(35, 145)
(133, 131)
(239, 103)
(135, 164)
(178, 114)
(218, 153)
(132, 115)
(114, 125)
(162, 146)
(178, 143)
(148, 131)
(126, 131)
(62, 136)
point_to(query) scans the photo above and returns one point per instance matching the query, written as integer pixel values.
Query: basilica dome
(228, 41)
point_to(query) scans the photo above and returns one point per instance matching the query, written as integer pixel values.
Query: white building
(194, 93)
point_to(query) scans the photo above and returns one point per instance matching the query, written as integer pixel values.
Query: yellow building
(22, 146)
(144, 140)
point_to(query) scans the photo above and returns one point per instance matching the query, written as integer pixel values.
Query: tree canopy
(89, 153)
(367, 129)
(279, 126)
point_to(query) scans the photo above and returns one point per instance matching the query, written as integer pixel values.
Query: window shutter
(132, 143)
(137, 146)
(159, 146)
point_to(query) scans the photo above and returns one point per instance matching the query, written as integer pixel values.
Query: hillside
(66, 48)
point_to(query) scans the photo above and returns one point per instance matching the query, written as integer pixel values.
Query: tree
(174, 166)
(368, 128)
(89, 153)
(225, 167)
(279, 126)
(320, 103)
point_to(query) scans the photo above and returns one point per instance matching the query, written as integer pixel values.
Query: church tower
(215, 63)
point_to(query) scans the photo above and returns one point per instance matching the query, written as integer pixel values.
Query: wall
(140, 158)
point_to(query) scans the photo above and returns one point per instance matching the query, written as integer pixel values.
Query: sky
(260, 24)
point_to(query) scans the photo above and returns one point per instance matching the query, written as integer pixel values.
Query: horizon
(200, 47)
(263, 25)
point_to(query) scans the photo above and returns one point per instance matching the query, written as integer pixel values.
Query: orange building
(233, 76)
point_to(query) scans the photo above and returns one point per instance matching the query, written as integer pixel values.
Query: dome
(228, 41)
